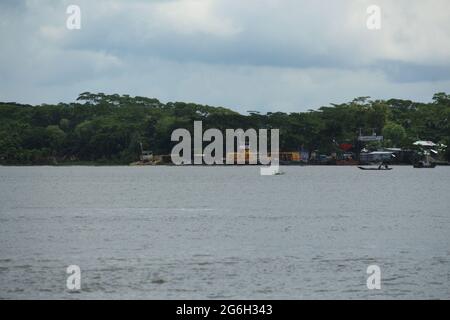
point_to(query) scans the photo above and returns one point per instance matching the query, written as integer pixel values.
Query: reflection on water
(224, 232)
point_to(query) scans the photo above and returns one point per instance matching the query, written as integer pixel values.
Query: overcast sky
(287, 55)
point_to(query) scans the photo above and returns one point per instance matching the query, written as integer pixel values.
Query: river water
(224, 232)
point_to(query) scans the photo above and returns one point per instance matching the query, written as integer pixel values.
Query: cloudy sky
(289, 55)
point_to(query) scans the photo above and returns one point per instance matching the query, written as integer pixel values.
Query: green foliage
(110, 128)
(394, 134)
(55, 136)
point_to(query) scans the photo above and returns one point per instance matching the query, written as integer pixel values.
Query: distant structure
(373, 137)
(146, 155)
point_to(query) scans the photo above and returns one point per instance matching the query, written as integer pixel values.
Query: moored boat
(424, 165)
(377, 169)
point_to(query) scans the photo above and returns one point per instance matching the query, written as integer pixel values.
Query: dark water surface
(224, 232)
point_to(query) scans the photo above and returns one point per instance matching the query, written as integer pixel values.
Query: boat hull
(421, 165)
(375, 169)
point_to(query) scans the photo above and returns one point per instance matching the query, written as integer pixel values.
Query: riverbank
(115, 164)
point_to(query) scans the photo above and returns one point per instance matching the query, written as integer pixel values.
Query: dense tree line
(109, 128)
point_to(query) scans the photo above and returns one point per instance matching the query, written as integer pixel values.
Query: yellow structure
(282, 156)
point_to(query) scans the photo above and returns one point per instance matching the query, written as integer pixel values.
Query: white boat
(271, 171)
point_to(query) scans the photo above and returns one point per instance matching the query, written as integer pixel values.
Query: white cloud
(194, 16)
(286, 54)
(412, 31)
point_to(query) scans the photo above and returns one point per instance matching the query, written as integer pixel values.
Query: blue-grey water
(224, 232)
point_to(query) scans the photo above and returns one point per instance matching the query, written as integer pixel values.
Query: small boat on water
(384, 165)
(427, 161)
(377, 168)
(271, 171)
(425, 165)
